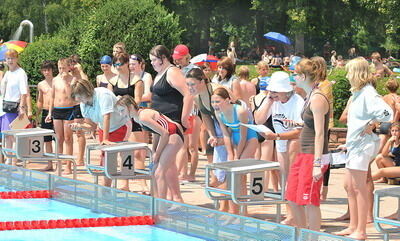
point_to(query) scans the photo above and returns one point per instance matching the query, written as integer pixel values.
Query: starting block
(378, 221)
(255, 193)
(29, 146)
(125, 168)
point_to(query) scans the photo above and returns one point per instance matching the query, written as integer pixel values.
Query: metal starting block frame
(29, 146)
(255, 193)
(110, 169)
(378, 221)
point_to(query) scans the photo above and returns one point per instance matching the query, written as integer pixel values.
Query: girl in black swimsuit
(262, 69)
(122, 85)
(266, 148)
(103, 80)
(168, 140)
(170, 94)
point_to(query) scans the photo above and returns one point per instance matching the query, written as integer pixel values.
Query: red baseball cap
(180, 51)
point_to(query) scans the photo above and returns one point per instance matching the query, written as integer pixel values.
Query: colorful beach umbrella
(278, 37)
(203, 58)
(17, 45)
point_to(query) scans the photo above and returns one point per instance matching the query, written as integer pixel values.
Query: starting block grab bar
(125, 169)
(392, 226)
(255, 193)
(29, 146)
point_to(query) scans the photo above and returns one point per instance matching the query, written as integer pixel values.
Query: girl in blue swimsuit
(240, 141)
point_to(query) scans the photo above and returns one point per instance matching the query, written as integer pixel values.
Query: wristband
(317, 161)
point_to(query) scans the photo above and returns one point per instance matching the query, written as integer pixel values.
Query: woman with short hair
(98, 107)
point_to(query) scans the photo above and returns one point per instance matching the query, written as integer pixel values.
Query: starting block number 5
(127, 164)
(35, 147)
(257, 185)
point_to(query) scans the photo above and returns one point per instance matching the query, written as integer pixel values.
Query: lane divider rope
(77, 223)
(26, 194)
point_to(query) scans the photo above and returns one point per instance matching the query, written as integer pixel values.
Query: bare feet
(381, 180)
(67, 172)
(48, 169)
(344, 232)
(370, 219)
(80, 163)
(393, 216)
(125, 189)
(324, 193)
(191, 178)
(288, 221)
(344, 217)
(358, 236)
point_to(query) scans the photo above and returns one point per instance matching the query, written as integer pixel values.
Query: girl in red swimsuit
(167, 140)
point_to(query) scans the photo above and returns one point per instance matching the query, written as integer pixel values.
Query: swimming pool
(175, 221)
(131, 233)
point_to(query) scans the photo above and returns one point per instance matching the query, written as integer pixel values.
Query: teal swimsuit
(235, 127)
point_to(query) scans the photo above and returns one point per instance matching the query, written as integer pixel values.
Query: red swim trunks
(301, 188)
(115, 136)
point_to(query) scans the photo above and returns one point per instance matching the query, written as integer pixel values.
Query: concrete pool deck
(335, 205)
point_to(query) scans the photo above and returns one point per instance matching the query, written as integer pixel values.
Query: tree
(140, 24)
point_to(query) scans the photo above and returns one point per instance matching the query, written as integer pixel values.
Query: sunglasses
(118, 64)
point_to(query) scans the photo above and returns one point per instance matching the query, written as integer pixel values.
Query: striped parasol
(17, 45)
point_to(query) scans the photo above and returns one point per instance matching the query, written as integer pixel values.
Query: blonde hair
(262, 64)
(11, 53)
(82, 87)
(244, 72)
(392, 85)
(127, 101)
(319, 68)
(376, 55)
(120, 46)
(358, 73)
(305, 66)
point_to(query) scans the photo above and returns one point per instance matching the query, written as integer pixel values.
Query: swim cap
(106, 60)
(264, 83)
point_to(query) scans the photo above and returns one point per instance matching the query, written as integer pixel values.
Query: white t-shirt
(104, 102)
(366, 105)
(187, 68)
(226, 83)
(290, 110)
(14, 84)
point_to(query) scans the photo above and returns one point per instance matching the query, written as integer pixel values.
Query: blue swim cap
(106, 60)
(263, 85)
(295, 60)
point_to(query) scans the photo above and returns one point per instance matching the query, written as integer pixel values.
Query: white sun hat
(280, 82)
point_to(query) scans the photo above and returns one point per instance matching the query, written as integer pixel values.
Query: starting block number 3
(35, 147)
(127, 164)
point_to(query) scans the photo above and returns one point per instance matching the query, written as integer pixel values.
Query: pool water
(42, 209)
(46, 209)
(126, 233)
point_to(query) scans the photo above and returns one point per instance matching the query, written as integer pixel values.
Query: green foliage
(44, 48)
(341, 91)
(140, 24)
